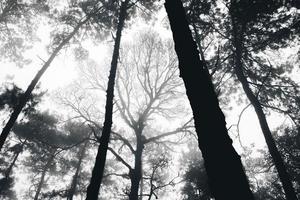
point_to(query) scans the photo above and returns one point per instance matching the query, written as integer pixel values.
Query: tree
(146, 84)
(209, 120)
(10, 96)
(45, 144)
(8, 100)
(147, 88)
(265, 85)
(6, 183)
(195, 177)
(62, 41)
(82, 151)
(239, 24)
(97, 173)
(17, 28)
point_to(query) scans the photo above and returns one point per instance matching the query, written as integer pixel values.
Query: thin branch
(119, 158)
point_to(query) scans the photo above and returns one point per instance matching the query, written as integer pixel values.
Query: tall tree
(148, 71)
(25, 97)
(239, 26)
(268, 84)
(97, 173)
(222, 163)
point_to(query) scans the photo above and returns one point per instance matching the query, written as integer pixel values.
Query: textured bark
(225, 172)
(97, 173)
(276, 157)
(42, 180)
(33, 83)
(76, 175)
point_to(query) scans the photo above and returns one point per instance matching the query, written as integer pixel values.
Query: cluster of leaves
(195, 177)
(11, 95)
(17, 27)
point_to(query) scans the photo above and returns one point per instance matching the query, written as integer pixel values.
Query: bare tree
(148, 89)
(146, 86)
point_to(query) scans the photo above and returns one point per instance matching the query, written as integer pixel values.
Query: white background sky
(64, 70)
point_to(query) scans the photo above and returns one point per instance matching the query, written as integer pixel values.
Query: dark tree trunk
(136, 173)
(142, 183)
(42, 180)
(97, 173)
(35, 80)
(76, 175)
(276, 157)
(225, 172)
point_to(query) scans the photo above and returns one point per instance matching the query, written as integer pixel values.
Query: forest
(150, 99)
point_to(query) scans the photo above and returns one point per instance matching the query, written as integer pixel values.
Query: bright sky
(64, 70)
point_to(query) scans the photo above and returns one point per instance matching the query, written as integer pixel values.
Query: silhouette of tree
(265, 85)
(59, 42)
(239, 24)
(98, 170)
(209, 120)
(10, 96)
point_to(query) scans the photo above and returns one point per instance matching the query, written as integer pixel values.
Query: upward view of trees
(174, 99)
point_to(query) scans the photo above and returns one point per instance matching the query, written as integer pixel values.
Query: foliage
(18, 24)
(195, 178)
(10, 96)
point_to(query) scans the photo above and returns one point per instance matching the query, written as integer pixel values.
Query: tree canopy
(145, 99)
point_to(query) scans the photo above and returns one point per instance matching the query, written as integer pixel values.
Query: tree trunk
(276, 157)
(136, 173)
(12, 164)
(9, 169)
(42, 180)
(225, 172)
(97, 173)
(35, 80)
(75, 177)
(142, 184)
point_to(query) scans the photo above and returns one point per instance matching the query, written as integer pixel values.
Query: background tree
(60, 40)
(195, 177)
(18, 23)
(45, 143)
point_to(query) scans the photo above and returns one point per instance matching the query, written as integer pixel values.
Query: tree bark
(225, 172)
(97, 173)
(75, 177)
(276, 157)
(33, 83)
(136, 173)
(141, 184)
(42, 180)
